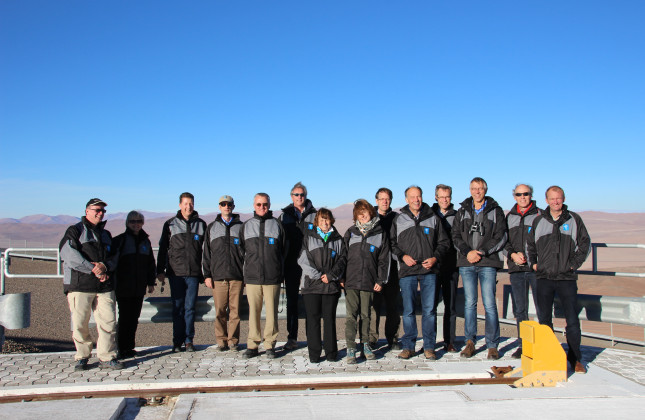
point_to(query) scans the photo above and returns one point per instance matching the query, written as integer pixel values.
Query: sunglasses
(99, 210)
(226, 204)
(298, 195)
(136, 222)
(524, 194)
(261, 204)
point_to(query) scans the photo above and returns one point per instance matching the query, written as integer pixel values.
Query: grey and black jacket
(420, 238)
(294, 229)
(558, 247)
(449, 261)
(485, 232)
(82, 244)
(223, 256)
(519, 226)
(180, 247)
(319, 257)
(136, 267)
(367, 258)
(264, 247)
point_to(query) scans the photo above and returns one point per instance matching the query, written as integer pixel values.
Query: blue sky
(136, 102)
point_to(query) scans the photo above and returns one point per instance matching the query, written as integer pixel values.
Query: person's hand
(99, 269)
(518, 258)
(474, 256)
(324, 279)
(378, 287)
(342, 284)
(103, 278)
(429, 262)
(409, 261)
(151, 288)
(209, 282)
(534, 267)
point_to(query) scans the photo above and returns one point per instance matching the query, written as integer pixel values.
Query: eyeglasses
(524, 194)
(136, 222)
(226, 204)
(99, 211)
(261, 204)
(298, 195)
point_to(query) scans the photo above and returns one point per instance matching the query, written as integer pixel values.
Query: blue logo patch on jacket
(236, 241)
(530, 229)
(565, 227)
(372, 248)
(144, 248)
(426, 230)
(197, 237)
(271, 241)
(108, 248)
(310, 226)
(333, 254)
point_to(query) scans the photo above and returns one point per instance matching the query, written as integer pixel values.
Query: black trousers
(390, 296)
(292, 289)
(447, 287)
(320, 306)
(567, 291)
(129, 311)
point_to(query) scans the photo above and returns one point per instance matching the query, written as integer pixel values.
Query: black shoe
(270, 354)
(223, 348)
(396, 346)
(112, 364)
(249, 353)
(314, 359)
(126, 354)
(81, 364)
(190, 348)
(177, 349)
(332, 357)
(517, 354)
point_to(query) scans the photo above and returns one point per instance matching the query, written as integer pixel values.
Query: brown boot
(493, 354)
(405, 354)
(469, 350)
(430, 354)
(580, 368)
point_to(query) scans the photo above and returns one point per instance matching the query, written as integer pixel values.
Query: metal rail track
(204, 389)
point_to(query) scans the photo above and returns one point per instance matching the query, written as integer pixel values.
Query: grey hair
(299, 185)
(132, 215)
(405, 193)
(261, 194)
(479, 180)
(530, 187)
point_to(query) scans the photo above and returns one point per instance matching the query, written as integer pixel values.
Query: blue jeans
(520, 283)
(428, 284)
(183, 294)
(487, 277)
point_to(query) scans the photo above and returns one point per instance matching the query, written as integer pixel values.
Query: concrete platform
(616, 382)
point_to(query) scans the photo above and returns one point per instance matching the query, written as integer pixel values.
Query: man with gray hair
(295, 218)
(262, 239)
(479, 235)
(519, 221)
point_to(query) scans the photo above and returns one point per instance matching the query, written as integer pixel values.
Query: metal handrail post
(2, 275)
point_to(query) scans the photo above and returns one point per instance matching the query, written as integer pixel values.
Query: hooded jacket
(136, 268)
(449, 262)
(320, 257)
(180, 246)
(295, 229)
(558, 247)
(263, 243)
(492, 234)
(82, 244)
(367, 258)
(223, 257)
(518, 226)
(421, 238)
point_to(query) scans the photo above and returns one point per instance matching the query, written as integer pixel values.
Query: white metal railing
(611, 309)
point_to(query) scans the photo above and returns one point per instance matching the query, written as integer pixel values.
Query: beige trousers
(255, 294)
(81, 306)
(226, 294)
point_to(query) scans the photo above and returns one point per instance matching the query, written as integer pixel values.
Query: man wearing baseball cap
(222, 263)
(88, 264)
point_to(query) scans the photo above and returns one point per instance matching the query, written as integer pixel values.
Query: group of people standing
(383, 258)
